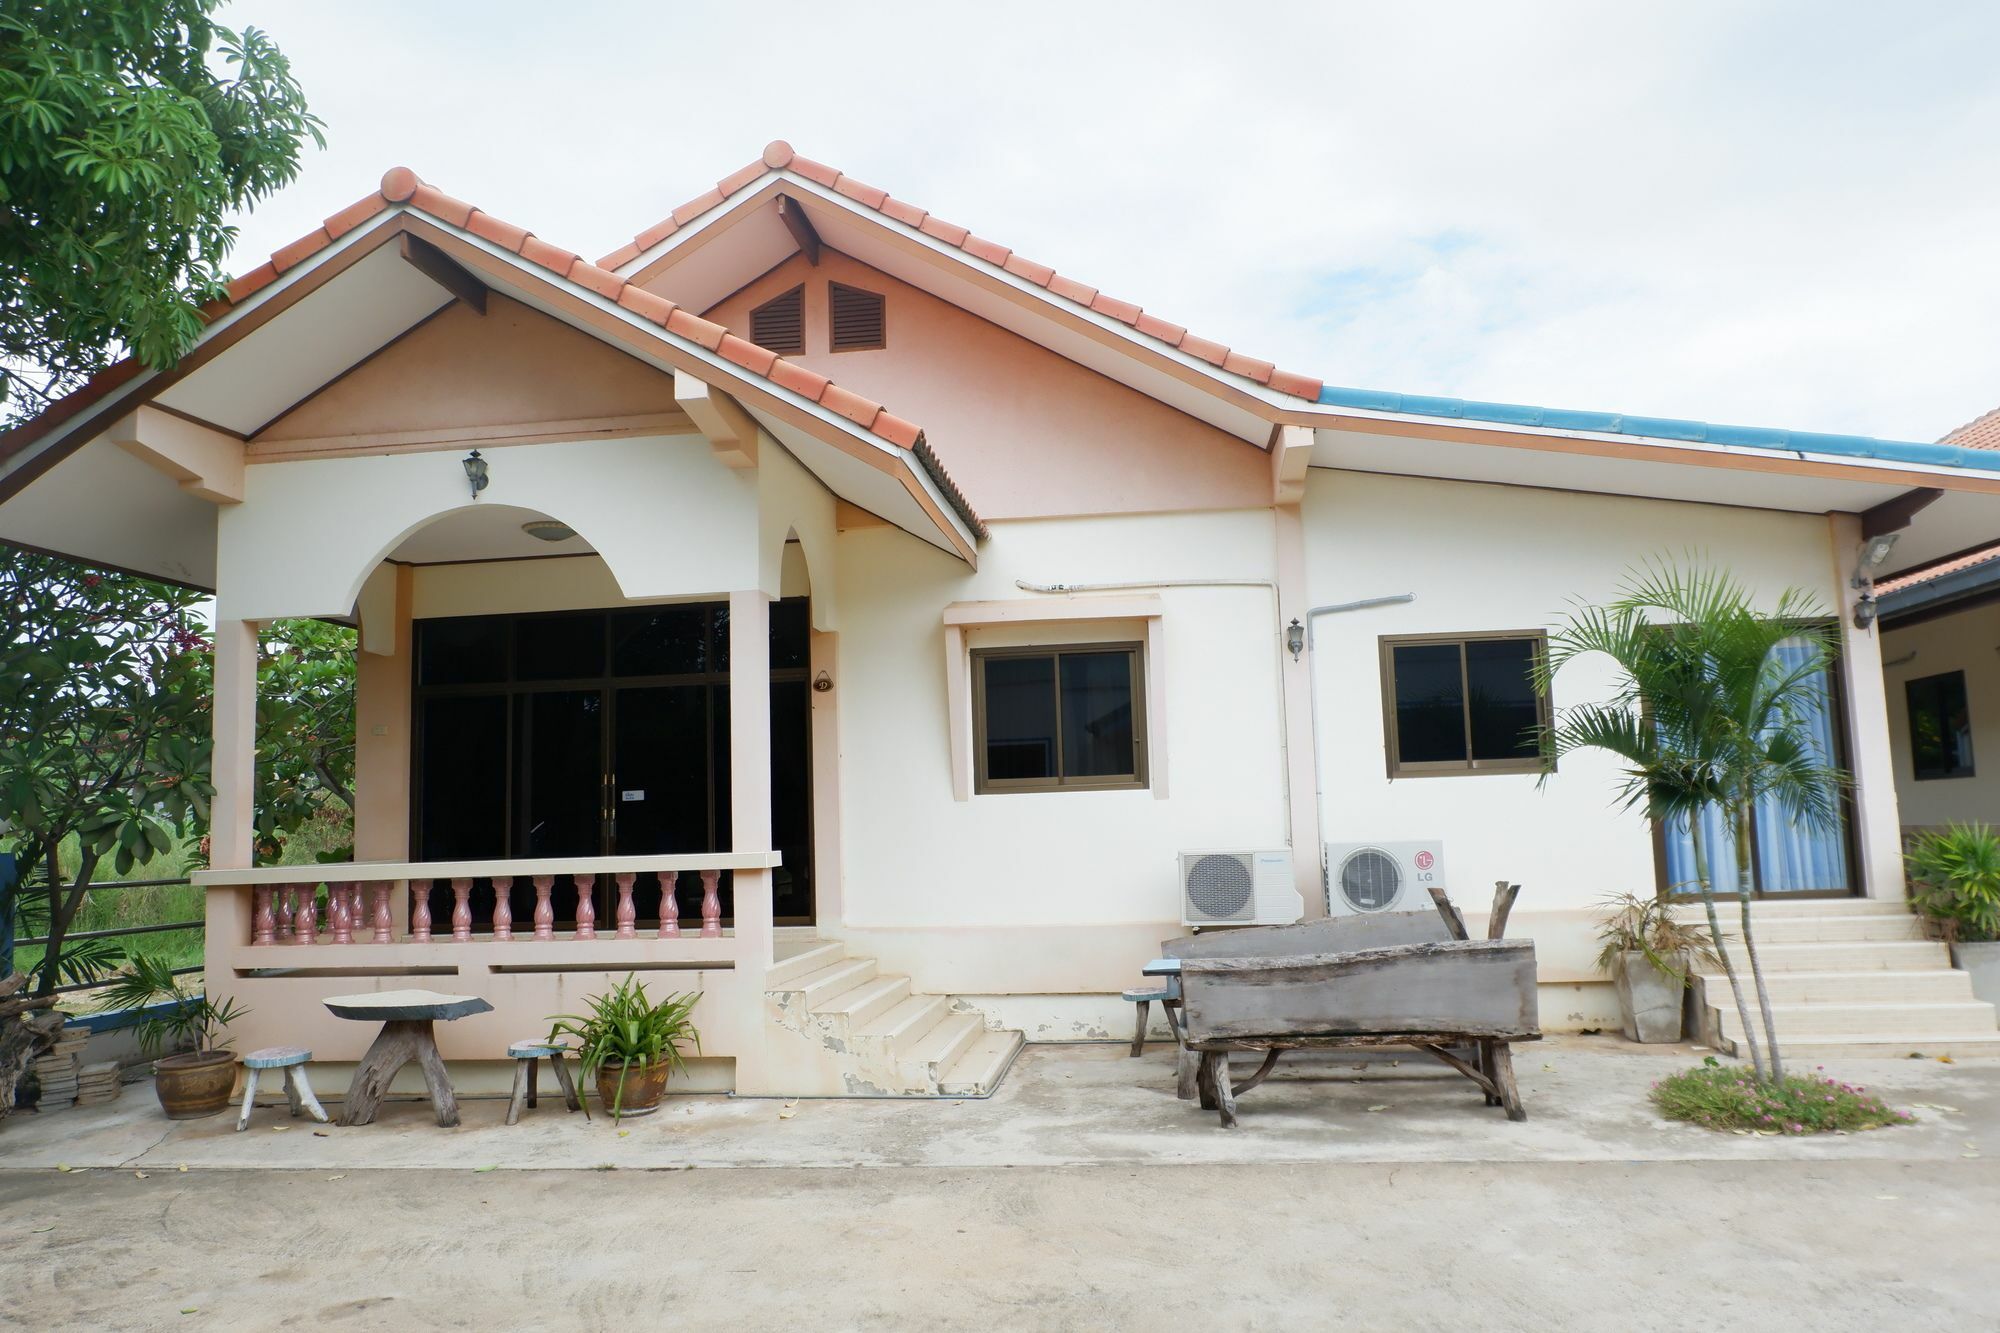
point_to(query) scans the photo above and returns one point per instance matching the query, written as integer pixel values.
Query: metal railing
(40, 888)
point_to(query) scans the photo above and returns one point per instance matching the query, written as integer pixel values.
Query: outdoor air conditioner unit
(1382, 876)
(1238, 889)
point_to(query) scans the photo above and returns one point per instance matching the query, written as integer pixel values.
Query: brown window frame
(833, 343)
(1452, 768)
(1136, 781)
(1918, 772)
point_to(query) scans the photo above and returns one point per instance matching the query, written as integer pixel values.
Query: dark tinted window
(1500, 698)
(1940, 726)
(470, 650)
(1020, 717)
(1430, 703)
(661, 641)
(558, 647)
(1462, 705)
(790, 633)
(1067, 717)
(1097, 715)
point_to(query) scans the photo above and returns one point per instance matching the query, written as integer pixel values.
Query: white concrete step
(819, 987)
(1801, 929)
(1839, 956)
(815, 959)
(978, 1071)
(859, 1006)
(929, 1058)
(1881, 986)
(1969, 1018)
(1726, 906)
(1801, 1053)
(897, 1030)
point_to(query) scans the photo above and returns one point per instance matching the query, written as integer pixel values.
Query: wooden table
(406, 1017)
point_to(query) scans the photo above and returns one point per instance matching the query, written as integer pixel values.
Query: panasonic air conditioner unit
(1382, 876)
(1238, 889)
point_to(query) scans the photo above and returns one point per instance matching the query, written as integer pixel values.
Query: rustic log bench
(1432, 996)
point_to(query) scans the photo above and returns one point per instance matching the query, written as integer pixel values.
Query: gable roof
(1982, 432)
(779, 156)
(402, 187)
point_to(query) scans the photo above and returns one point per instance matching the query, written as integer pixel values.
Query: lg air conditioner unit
(1382, 876)
(1238, 889)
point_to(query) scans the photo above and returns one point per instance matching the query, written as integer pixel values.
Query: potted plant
(197, 1077)
(1955, 885)
(1648, 954)
(629, 1044)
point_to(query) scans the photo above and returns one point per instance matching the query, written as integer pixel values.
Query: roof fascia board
(669, 352)
(1247, 395)
(1697, 453)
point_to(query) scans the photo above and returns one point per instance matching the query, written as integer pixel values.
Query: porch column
(232, 767)
(382, 719)
(1295, 683)
(750, 765)
(1878, 829)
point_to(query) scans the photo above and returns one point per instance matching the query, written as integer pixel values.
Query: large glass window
(1940, 726)
(1067, 718)
(1463, 704)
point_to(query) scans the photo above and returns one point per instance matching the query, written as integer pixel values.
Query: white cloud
(1774, 215)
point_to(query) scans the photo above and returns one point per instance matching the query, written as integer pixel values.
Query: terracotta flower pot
(195, 1084)
(644, 1085)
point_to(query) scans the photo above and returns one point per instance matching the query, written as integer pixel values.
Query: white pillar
(750, 761)
(232, 766)
(1295, 681)
(1877, 821)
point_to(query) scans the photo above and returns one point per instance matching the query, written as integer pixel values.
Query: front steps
(1851, 977)
(883, 1039)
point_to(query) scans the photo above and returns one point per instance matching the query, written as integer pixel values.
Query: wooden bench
(1450, 999)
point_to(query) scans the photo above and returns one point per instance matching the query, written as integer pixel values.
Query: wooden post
(263, 926)
(420, 911)
(384, 921)
(503, 908)
(586, 906)
(670, 907)
(461, 910)
(545, 912)
(628, 916)
(711, 903)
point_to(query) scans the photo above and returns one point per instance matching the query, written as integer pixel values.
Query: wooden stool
(291, 1059)
(527, 1055)
(1143, 996)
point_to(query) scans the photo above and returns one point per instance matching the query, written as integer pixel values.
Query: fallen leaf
(1946, 1060)
(339, 1177)
(279, 1129)
(1548, 1069)
(1887, 1198)
(1378, 1108)
(624, 1133)
(190, 1309)
(61, 1167)
(788, 1110)
(1968, 1154)
(482, 1170)
(182, 1167)
(321, 1134)
(141, 1175)
(40, 1230)
(958, 1103)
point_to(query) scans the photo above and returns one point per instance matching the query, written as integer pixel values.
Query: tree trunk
(1715, 933)
(1745, 882)
(62, 914)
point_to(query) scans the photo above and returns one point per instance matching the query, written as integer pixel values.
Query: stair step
(1869, 1046)
(821, 986)
(1942, 1021)
(861, 1005)
(978, 1071)
(902, 1027)
(927, 1059)
(1840, 956)
(1816, 929)
(815, 959)
(1879, 986)
(1777, 907)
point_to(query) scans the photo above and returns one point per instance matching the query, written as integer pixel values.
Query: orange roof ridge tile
(402, 186)
(779, 156)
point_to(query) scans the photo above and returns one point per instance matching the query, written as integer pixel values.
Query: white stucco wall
(1970, 642)
(1482, 558)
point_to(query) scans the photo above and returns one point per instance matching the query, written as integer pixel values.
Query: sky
(1763, 214)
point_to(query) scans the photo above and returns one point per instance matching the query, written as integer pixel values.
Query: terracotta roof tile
(257, 278)
(538, 251)
(779, 156)
(503, 234)
(695, 329)
(898, 431)
(805, 383)
(1943, 567)
(1982, 432)
(746, 354)
(398, 184)
(308, 245)
(861, 411)
(356, 213)
(441, 205)
(645, 304)
(600, 280)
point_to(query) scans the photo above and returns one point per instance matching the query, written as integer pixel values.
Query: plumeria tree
(1707, 716)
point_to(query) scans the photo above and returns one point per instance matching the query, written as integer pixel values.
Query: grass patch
(1718, 1096)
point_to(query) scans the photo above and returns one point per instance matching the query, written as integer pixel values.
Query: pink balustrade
(670, 908)
(503, 907)
(711, 904)
(586, 906)
(628, 916)
(461, 910)
(420, 911)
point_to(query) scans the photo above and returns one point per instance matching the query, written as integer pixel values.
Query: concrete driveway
(1082, 1195)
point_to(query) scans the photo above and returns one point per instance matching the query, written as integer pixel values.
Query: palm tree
(1708, 716)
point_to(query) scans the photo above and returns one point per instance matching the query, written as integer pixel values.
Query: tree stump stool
(406, 1016)
(527, 1057)
(298, 1092)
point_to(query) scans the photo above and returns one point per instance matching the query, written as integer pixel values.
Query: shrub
(1631, 924)
(1716, 1096)
(1955, 880)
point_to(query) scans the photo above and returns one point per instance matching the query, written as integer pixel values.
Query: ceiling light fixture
(548, 530)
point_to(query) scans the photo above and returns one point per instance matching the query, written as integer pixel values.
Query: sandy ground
(1081, 1196)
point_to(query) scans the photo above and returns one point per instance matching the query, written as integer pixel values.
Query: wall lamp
(1874, 552)
(1295, 637)
(475, 472)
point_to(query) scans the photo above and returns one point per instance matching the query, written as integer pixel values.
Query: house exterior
(1046, 590)
(1941, 659)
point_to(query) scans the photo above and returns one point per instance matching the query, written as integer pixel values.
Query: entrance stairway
(1852, 977)
(882, 1038)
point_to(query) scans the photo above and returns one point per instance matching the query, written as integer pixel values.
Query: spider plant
(627, 1029)
(195, 1021)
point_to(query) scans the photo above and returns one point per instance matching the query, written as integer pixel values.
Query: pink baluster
(586, 907)
(385, 922)
(545, 912)
(263, 926)
(357, 911)
(461, 910)
(287, 910)
(628, 915)
(503, 910)
(711, 903)
(670, 908)
(340, 914)
(308, 924)
(420, 911)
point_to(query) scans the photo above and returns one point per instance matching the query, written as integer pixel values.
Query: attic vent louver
(779, 325)
(857, 319)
